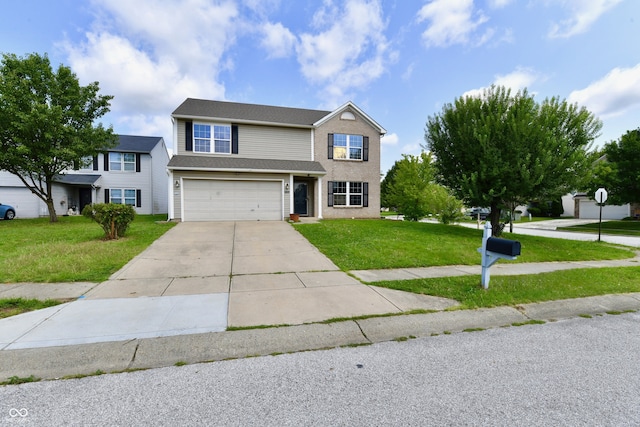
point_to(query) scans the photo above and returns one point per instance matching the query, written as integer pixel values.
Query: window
(347, 147)
(122, 162)
(345, 193)
(202, 141)
(86, 162)
(123, 196)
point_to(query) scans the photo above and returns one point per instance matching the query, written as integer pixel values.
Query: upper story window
(211, 138)
(86, 162)
(347, 147)
(122, 162)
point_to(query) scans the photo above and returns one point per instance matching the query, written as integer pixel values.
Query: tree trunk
(494, 216)
(53, 217)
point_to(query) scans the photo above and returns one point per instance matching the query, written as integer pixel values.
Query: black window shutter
(138, 198)
(106, 163)
(106, 196)
(188, 135)
(76, 165)
(365, 149)
(234, 139)
(95, 163)
(330, 146)
(330, 198)
(138, 162)
(365, 194)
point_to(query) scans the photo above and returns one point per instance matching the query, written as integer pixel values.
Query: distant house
(587, 208)
(134, 173)
(237, 161)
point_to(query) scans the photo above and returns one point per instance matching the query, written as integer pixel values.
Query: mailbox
(503, 246)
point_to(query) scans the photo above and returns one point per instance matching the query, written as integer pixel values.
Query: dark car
(483, 212)
(7, 212)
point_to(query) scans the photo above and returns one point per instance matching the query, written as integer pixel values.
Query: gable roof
(350, 106)
(248, 113)
(136, 144)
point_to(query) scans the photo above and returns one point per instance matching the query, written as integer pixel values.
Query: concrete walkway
(174, 302)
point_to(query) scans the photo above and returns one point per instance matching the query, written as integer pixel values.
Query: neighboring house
(255, 162)
(134, 172)
(587, 208)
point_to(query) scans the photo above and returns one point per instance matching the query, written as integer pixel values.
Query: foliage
(410, 187)
(377, 244)
(70, 250)
(114, 218)
(46, 122)
(500, 150)
(547, 208)
(618, 170)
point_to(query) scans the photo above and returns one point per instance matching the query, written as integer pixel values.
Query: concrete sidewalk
(175, 301)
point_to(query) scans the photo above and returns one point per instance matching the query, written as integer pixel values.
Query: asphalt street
(581, 371)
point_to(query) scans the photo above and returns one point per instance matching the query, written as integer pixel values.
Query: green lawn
(71, 250)
(627, 228)
(12, 306)
(375, 244)
(513, 290)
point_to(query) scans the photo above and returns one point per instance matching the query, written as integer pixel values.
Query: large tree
(618, 170)
(499, 150)
(47, 122)
(412, 190)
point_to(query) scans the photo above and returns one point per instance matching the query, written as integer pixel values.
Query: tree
(618, 170)
(411, 188)
(47, 122)
(499, 150)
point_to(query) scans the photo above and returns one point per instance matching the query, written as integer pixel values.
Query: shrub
(113, 218)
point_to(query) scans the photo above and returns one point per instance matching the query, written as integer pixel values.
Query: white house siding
(130, 180)
(180, 176)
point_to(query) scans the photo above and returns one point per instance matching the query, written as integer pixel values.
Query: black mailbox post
(493, 249)
(503, 246)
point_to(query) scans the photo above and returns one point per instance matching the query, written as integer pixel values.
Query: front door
(300, 199)
(85, 197)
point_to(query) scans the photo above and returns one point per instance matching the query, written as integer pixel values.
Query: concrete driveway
(205, 276)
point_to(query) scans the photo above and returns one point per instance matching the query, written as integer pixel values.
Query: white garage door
(218, 200)
(26, 204)
(590, 210)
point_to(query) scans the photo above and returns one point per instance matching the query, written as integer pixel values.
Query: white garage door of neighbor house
(590, 210)
(25, 203)
(218, 200)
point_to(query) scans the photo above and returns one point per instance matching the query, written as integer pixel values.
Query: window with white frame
(125, 162)
(347, 147)
(211, 138)
(347, 193)
(123, 196)
(86, 162)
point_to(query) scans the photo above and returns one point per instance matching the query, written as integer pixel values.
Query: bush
(113, 218)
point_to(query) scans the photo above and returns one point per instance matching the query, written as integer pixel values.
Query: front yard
(376, 244)
(72, 250)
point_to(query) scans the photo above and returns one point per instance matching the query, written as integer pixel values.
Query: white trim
(319, 196)
(171, 206)
(291, 207)
(284, 171)
(350, 104)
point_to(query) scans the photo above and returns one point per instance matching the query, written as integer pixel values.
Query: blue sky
(398, 60)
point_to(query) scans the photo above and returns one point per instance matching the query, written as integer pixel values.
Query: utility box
(503, 246)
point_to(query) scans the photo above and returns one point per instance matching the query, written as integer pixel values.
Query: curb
(147, 353)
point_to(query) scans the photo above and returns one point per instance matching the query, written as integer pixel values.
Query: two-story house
(238, 161)
(134, 172)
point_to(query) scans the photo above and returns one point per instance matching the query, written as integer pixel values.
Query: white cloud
(389, 139)
(583, 14)
(521, 78)
(612, 95)
(498, 4)
(278, 40)
(351, 53)
(152, 55)
(451, 22)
